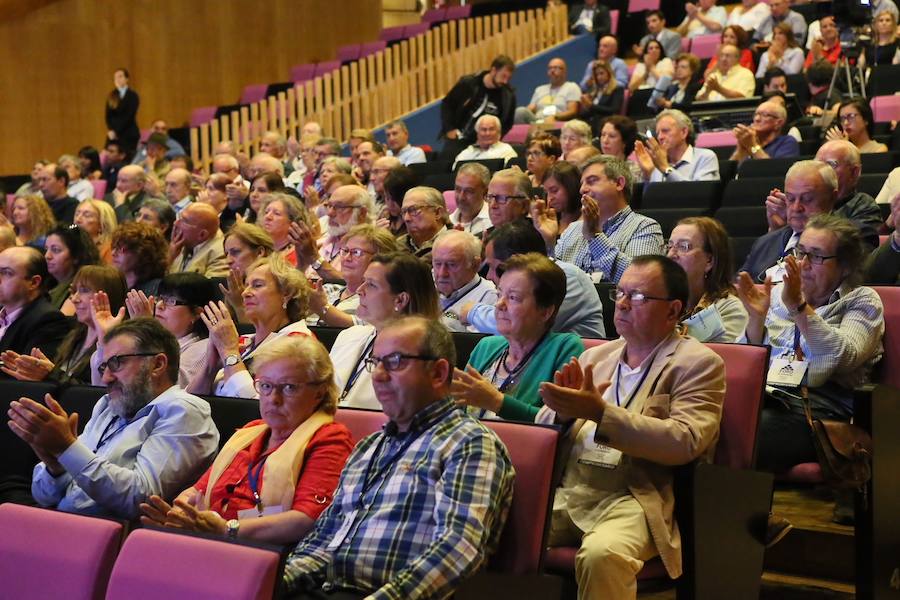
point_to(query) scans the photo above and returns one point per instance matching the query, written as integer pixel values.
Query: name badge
(706, 324)
(550, 111)
(341, 533)
(785, 372)
(776, 273)
(252, 513)
(602, 456)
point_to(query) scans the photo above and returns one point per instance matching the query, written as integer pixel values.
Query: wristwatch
(755, 149)
(316, 265)
(232, 526)
(669, 170)
(800, 308)
(232, 359)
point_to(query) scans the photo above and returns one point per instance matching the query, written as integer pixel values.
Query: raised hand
(590, 217)
(233, 293)
(776, 209)
(584, 401)
(471, 388)
(102, 316)
(223, 332)
(304, 243)
(791, 291)
(35, 367)
(756, 302)
(544, 219)
(139, 305)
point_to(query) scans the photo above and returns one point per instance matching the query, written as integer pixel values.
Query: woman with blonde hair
(98, 219)
(32, 219)
(883, 50)
(605, 97)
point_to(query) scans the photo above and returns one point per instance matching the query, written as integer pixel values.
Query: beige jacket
(208, 259)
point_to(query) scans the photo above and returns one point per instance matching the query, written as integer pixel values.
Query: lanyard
(370, 478)
(798, 351)
(636, 388)
(357, 369)
(511, 375)
(462, 294)
(105, 438)
(254, 470)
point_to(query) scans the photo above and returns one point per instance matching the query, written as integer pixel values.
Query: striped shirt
(623, 237)
(434, 507)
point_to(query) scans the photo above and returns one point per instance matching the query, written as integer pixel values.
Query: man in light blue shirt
(146, 435)
(607, 48)
(671, 156)
(397, 135)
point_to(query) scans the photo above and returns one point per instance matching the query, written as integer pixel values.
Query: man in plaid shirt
(421, 504)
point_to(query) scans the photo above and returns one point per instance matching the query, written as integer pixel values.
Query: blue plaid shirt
(434, 508)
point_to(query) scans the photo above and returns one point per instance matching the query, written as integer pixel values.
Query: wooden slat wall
(389, 84)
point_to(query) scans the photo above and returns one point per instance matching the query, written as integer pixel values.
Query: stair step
(782, 586)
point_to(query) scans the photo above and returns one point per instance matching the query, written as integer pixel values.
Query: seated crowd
(180, 284)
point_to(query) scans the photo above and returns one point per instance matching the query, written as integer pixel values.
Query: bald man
(197, 243)
(553, 101)
(762, 138)
(729, 79)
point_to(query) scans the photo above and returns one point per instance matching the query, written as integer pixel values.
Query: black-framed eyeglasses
(394, 361)
(354, 252)
(683, 246)
(413, 211)
(503, 200)
(267, 388)
(336, 207)
(115, 362)
(170, 302)
(634, 297)
(816, 259)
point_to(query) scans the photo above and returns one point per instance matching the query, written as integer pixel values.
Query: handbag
(844, 451)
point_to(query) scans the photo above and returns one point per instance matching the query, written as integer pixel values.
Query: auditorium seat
(668, 217)
(740, 249)
(703, 195)
(614, 21)
(641, 5)
(326, 67)
(371, 48)
(81, 399)
(871, 183)
(50, 554)
(705, 46)
(519, 161)
(637, 104)
(360, 421)
(99, 188)
(609, 308)
(465, 342)
(889, 370)
(878, 162)
(253, 93)
(411, 31)
(715, 139)
(750, 192)
(493, 164)
(440, 181)
(884, 80)
(18, 458)
(326, 335)
(727, 170)
(392, 34)
(459, 12)
(160, 564)
(517, 134)
(769, 167)
(434, 15)
(743, 221)
(348, 53)
(230, 414)
(303, 72)
(203, 114)
(430, 168)
(885, 108)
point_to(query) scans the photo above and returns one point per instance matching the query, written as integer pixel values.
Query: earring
(396, 309)
(284, 305)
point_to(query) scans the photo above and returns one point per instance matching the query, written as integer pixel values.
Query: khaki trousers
(611, 554)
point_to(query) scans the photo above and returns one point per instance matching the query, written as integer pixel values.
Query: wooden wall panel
(58, 59)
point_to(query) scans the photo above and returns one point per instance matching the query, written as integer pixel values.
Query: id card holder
(341, 533)
(602, 456)
(705, 325)
(252, 513)
(785, 372)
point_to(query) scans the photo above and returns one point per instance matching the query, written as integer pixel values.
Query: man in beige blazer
(197, 243)
(656, 404)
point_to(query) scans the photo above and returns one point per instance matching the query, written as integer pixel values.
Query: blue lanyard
(462, 294)
(636, 388)
(254, 470)
(357, 369)
(105, 438)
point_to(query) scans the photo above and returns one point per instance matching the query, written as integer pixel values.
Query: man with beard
(146, 436)
(349, 205)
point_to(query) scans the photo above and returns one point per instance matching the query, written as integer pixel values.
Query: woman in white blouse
(783, 53)
(652, 67)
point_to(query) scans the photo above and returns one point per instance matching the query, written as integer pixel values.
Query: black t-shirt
(486, 102)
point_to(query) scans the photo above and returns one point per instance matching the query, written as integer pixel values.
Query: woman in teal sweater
(504, 371)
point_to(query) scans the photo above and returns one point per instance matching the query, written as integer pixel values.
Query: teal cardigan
(523, 404)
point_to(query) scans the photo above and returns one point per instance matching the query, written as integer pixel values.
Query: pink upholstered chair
(349, 53)
(459, 12)
(202, 115)
(360, 422)
(517, 134)
(99, 188)
(450, 200)
(372, 48)
(327, 67)
(50, 554)
(253, 93)
(885, 108)
(639, 5)
(411, 31)
(715, 139)
(304, 72)
(157, 564)
(434, 15)
(705, 46)
(392, 34)
(614, 21)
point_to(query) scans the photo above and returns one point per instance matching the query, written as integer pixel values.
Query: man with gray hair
(178, 189)
(397, 135)
(425, 215)
(380, 169)
(671, 155)
(349, 205)
(487, 144)
(762, 138)
(730, 79)
(508, 197)
(611, 233)
(275, 144)
(129, 194)
(146, 436)
(472, 213)
(455, 261)
(810, 188)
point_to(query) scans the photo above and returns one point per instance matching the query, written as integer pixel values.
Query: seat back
(81, 399)
(157, 564)
(253, 93)
(465, 342)
(878, 162)
(716, 139)
(203, 114)
(304, 72)
(890, 362)
(349, 53)
(770, 167)
(614, 21)
(450, 200)
(639, 5)
(517, 134)
(705, 46)
(885, 108)
(411, 31)
(750, 192)
(532, 450)
(459, 12)
(51, 554)
(18, 458)
(326, 67)
(434, 15)
(609, 308)
(230, 414)
(682, 194)
(493, 164)
(745, 379)
(669, 217)
(326, 335)
(372, 48)
(391, 34)
(99, 188)
(360, 421)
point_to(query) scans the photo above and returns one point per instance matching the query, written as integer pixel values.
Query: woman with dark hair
(562, 208)
(264, 183)
(543, 151)
(121, 113)
(505, 371)
(617, 137)
(90, 163)
(713, 313)
(67, 250)
(178, 304)
(140, 252)
(394, 285)
(855, 123)
(72, 363)
(654, 65)
(684, 87)
(399, 181)
(821, 321)
(783, 52)
(605, 97)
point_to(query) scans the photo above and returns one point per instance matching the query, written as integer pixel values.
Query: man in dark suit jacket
(810, 188)
(129, 193)
(27, 319)
(590, 17)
